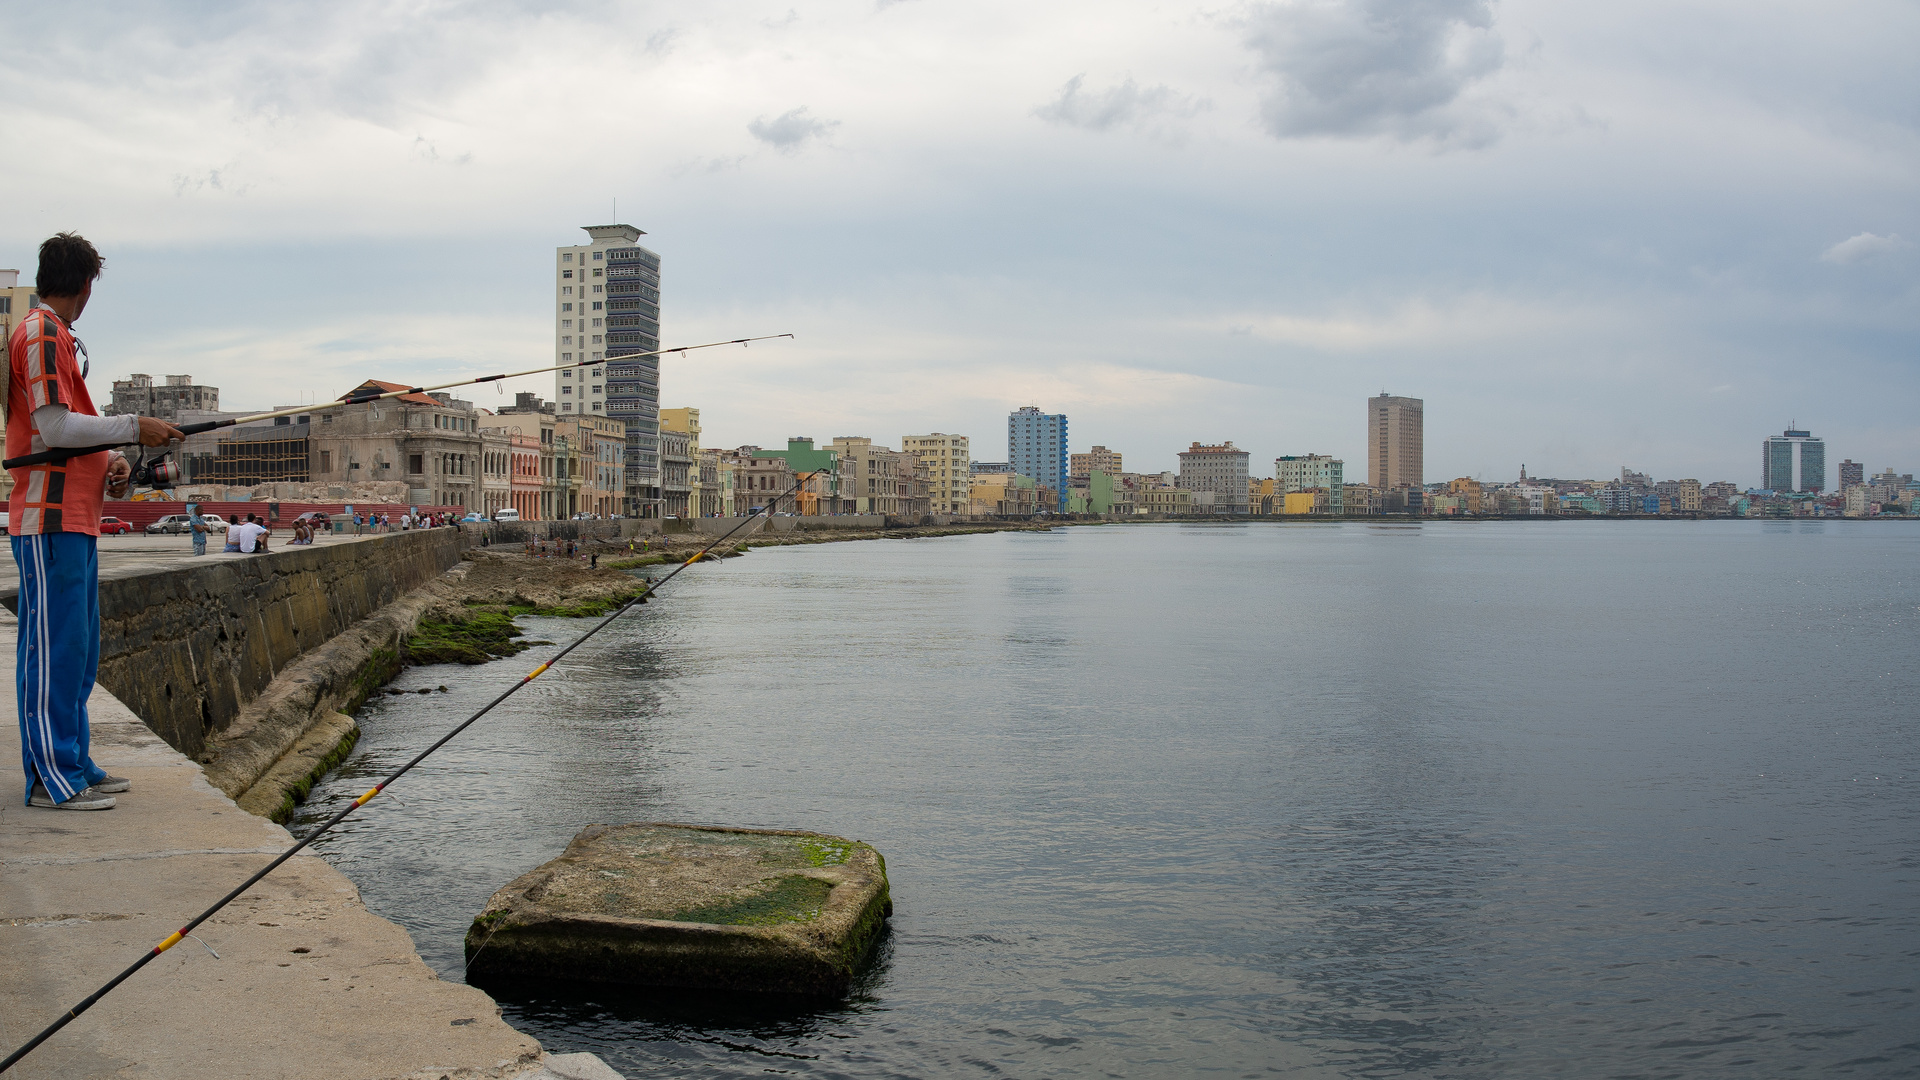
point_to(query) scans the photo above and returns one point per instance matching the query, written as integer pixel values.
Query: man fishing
(55, 524)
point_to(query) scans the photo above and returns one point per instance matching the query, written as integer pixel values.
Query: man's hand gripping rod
(60, 454)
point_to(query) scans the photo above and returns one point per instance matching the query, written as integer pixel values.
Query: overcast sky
(1587, 235)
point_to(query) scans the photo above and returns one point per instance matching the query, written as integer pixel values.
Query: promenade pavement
(308, 984)
(133, 554)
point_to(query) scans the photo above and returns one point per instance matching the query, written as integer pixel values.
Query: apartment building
(948, 468)
(878, 479)
(1037, 447)
(1304, 472)
(600, 442)
(1099, 459)
(1396, 442)
(429, 441)
(1221, 470)
(607, 317)
(684, 421)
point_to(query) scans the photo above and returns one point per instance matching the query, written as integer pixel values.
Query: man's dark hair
(67, 263)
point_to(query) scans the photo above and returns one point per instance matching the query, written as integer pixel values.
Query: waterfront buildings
(1037, 447)
(1098, 459)
(601, 441)
(676, 473)
(685, 421)
(1777, 454)
(1004, 494)
(1396, 434)
(949, 474)
(607, 307)
(1220, 470)
(880, 480)
(1851, 472)
(1305, 472)
(1167, 501)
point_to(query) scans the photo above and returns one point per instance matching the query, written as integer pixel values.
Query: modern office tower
(1776, 462)
(1851, 473)
(1099, 459)
(1220, 469)
(949, 460)
(606, 306)
(1037, 447)
(1396, 452)
(1307, 471)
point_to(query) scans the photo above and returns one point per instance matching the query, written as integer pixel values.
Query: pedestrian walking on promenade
(54, 522)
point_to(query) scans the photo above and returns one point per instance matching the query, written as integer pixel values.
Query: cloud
(1363, 68)
(1125, 105)
(1864, 246)
(791, 130)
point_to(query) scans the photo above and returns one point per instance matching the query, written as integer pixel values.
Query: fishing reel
(157, 472)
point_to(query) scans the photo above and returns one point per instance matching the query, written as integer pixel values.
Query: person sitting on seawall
(233, 534)
(253, 537)
(55, 525)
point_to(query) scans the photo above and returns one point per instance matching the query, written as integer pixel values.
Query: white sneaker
(90, 799)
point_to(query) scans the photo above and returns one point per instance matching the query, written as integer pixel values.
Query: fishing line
(59, 454)
(186, 931)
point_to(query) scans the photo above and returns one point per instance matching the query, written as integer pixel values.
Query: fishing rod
(180, 935)
(63, 453)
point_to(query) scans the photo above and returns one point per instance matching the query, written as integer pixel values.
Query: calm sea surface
(1569, 799)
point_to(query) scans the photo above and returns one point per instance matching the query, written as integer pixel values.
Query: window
(566, 390)
(566, 324)
(596, 388)
(596, 406)
(566, 374)
(566, 257)
(413, 464)
(566, 307)
(566, 339)
(597, 305)
(596, 256)
(566, 356)
(596, 338)
(566, 406)
(566, 273)
(596, 271)
(566, 290)
(326, 461)
(598, 288)
(597, 322)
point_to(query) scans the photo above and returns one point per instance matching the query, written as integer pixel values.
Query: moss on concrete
(475, 639)
(694, 906)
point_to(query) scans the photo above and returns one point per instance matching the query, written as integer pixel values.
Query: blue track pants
(57, 658)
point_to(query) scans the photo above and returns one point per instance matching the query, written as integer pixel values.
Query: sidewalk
(309, 983)
(133, 554)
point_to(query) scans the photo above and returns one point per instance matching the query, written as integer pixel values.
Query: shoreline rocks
(694, 906)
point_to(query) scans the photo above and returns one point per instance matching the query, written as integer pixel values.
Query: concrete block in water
(691, 906)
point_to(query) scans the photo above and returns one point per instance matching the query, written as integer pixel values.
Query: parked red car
(111, 525)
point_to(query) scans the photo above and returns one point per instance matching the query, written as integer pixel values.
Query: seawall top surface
(308, 983)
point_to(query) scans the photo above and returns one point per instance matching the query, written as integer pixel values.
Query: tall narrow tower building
(1396, 440)
(1037, 447)
(607, 306)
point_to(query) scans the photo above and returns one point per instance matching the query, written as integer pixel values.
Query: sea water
(1572, 799)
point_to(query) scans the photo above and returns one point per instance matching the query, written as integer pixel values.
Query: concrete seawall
(187, 649)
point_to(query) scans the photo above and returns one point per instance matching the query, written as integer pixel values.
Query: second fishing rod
(324, 827)
(64, 453)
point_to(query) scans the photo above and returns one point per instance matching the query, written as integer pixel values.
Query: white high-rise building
(606, 305)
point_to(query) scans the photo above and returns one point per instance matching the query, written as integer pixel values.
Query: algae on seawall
(476, 639)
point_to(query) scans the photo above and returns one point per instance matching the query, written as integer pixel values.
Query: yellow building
(687, 422)
(1163, 500)
(1468, 489)
(949, 461)
(1298, 502)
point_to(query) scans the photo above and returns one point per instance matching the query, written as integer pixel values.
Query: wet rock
(689, 906)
